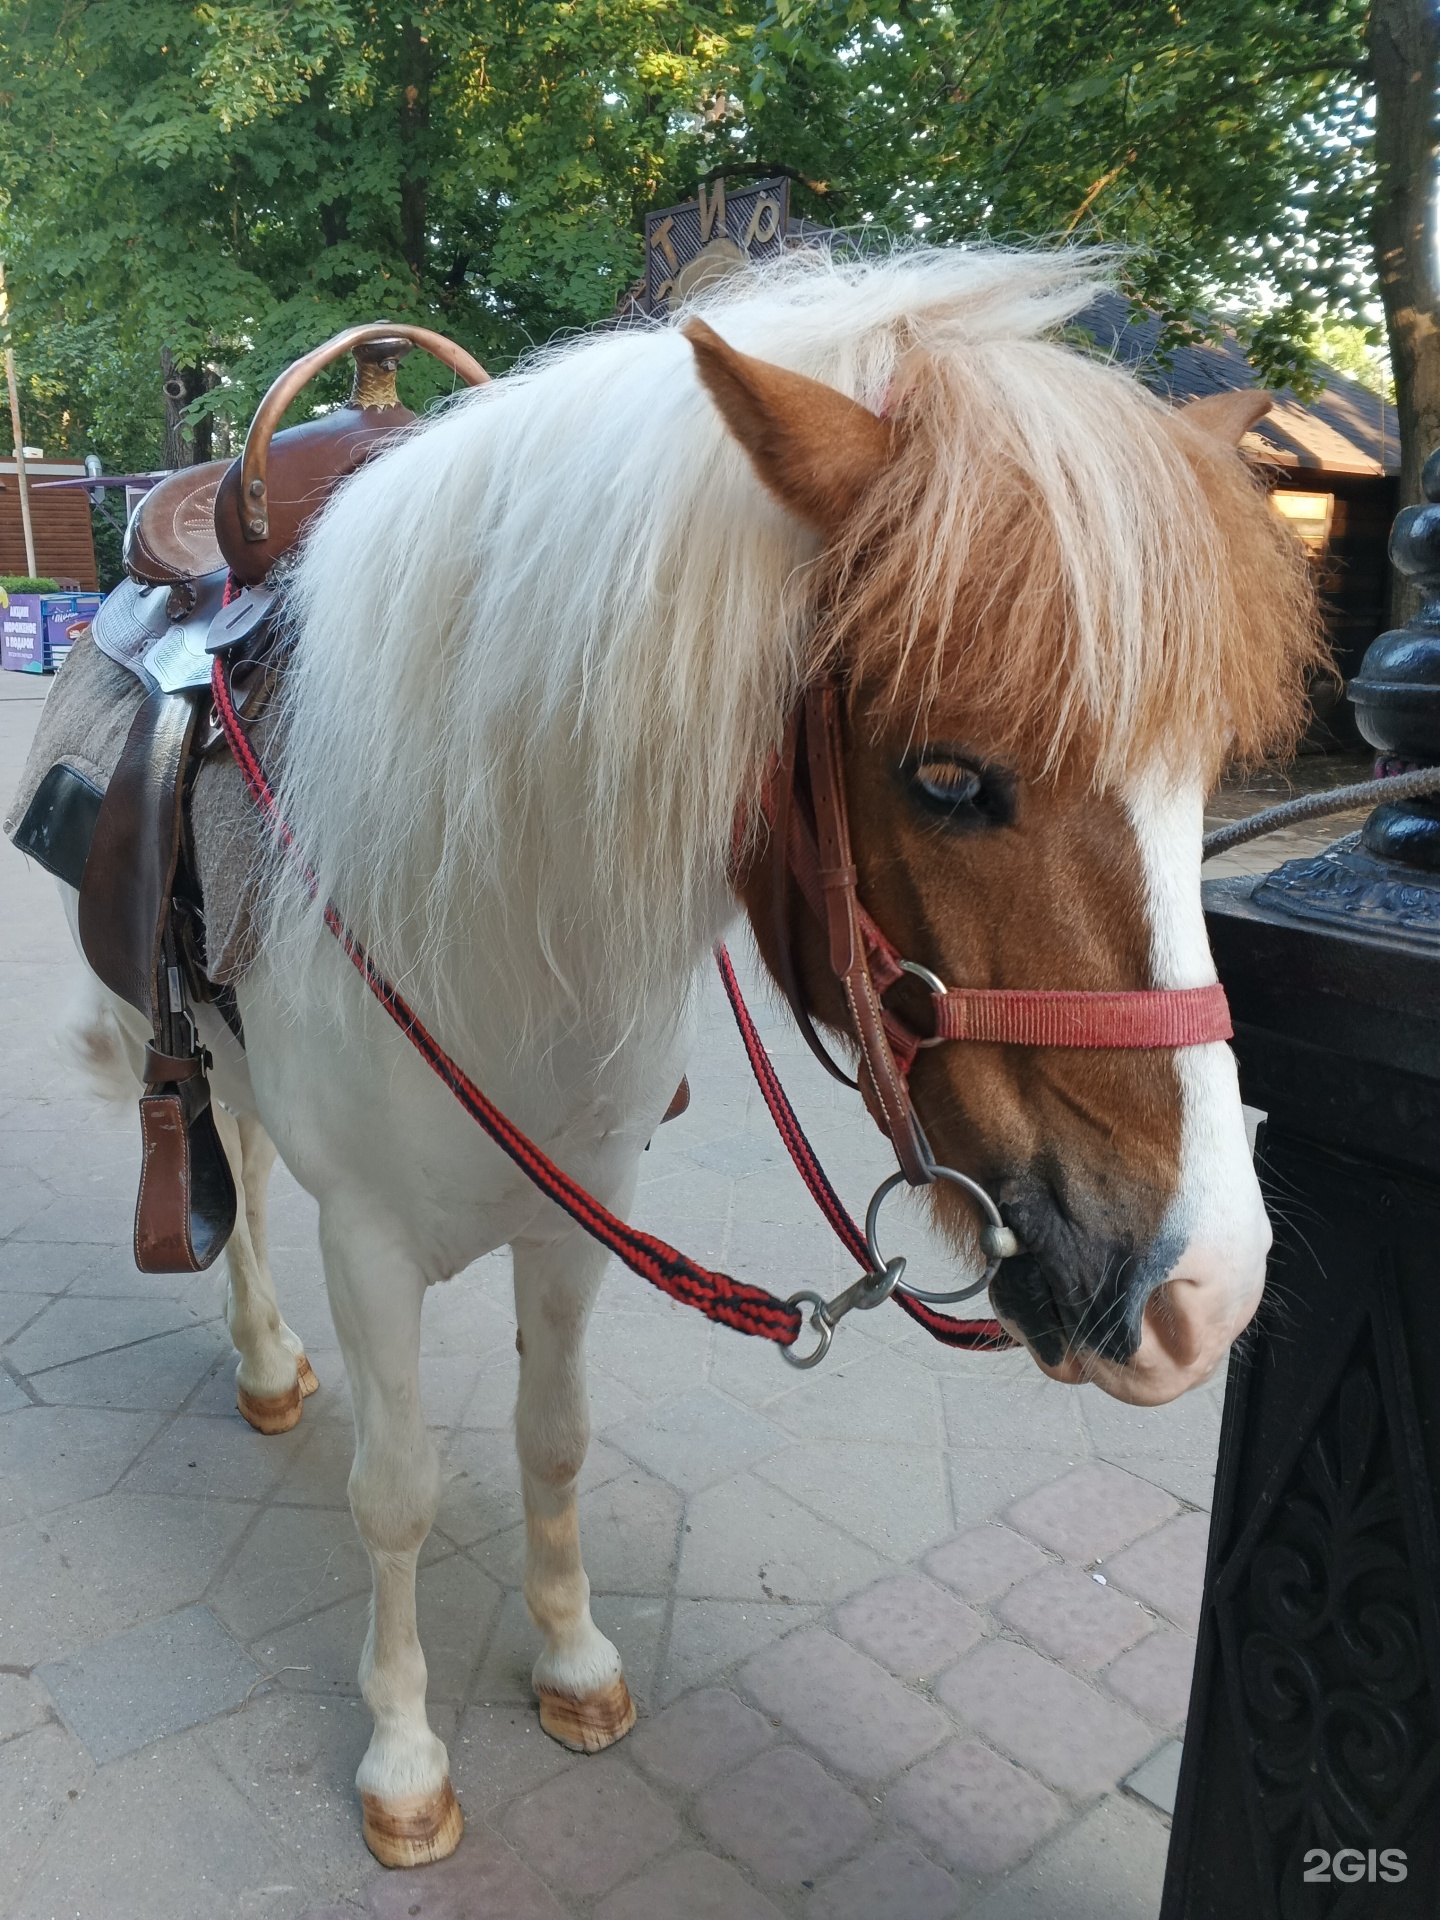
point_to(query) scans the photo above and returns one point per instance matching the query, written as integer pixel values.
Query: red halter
(867, 962)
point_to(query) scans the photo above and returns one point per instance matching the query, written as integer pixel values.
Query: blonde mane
(543, 646)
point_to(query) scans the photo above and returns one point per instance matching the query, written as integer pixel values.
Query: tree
(226, 184)
(1405, 55)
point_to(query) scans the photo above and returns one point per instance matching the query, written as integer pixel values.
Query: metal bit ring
(997, 1241)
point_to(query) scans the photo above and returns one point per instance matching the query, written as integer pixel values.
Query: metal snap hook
(997, 1241)
(820, 1322)
(862, 1294)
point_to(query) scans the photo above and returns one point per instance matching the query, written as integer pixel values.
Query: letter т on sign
(690, 245)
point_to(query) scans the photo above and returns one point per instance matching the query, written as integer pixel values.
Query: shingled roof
(1344, 429)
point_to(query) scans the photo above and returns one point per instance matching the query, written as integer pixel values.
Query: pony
(543, 651)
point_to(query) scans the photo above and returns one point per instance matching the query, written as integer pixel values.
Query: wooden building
(1333, 462)
(59, 519)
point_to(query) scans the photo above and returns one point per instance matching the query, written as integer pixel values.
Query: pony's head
(1055, 614)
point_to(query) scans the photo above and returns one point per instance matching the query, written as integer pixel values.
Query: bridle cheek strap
(866, 962)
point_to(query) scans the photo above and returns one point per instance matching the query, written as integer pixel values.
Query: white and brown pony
(544, 649)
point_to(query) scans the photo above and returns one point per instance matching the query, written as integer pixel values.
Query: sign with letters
(688, 246)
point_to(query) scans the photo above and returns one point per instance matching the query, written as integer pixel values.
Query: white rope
(1313, 806)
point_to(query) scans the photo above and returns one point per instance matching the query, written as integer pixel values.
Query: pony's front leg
(273, 1374)
(584, 1701)
(376, 1287)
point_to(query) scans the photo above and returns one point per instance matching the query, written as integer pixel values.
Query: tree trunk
(1405, 62)
(415, 73)
(185, 446)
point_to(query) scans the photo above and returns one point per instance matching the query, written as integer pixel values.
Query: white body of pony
(543, 647)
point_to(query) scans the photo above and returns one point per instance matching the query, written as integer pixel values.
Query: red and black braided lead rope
(731, 1302)
(983, 1336)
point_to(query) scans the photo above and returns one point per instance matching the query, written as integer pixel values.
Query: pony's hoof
(305, 1373)
(271, 1412)
(590, 1725)
(414, 1832)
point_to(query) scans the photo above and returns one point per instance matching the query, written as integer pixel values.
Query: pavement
(910, 1635)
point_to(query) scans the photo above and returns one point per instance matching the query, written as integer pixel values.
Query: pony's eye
(958, 792)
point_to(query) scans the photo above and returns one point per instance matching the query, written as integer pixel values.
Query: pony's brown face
(1125, 1173)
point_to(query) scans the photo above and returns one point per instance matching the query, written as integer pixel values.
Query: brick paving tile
(1045, 1718)
(975, 1809)
(909, 1625)
(1167, 1570)
(1066, 1614)
(893, 1879)
(1094, 1510)
(1108, 1866)
(1154, 1677)
(784, 1817)
(705, 1734)
(688, 1886)
(983, 1562)
(592, 1827)
(858, 1718)
(483, 1878)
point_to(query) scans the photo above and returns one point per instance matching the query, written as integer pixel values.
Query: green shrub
(22, 583)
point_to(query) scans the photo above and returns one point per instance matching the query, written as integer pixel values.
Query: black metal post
(1310, 1788)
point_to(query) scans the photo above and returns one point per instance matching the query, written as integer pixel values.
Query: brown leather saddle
(196, 537)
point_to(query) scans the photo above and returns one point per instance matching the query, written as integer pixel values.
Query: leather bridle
(805, 805)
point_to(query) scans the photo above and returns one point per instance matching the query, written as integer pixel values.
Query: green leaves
(233, 181)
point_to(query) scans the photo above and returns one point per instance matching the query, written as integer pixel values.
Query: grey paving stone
(1033, 1413)
(155, 1680)
(319, 1654)
(655, 1355)
(484, 1877)
(47, 1266)
(707, 1733)
(317, 1472)
(974, 1809)
(504, 1676)
(22, 1705)
(909, 1625)
(746, 1540)
(873, 1394)
(42, 1775)
(293, 1757)
(591, 1827)
(1109, 1866)
(480, 1489)
(696, 1439)
(707, 1637)
(894, 1499)
(635, 1624)
(296, 1561)
(51, 1456)
(1167, 1569)
(127, 1848)
(736, 1156)
(1158, 1778)
(982, 1485)
(1045, 1718)
(984, 1562)
(455, 1605)
(499, 1753)
(1094, 1510)
(783, 1817)
(17, 1309)
(1155, 1677)
(694, 1885)
(76, 1577)
(857, 1717)
(200, 1459)
(154, 1373)
(72, 1329)
(1071, 1617)
(12, 1395)
(892, 1879)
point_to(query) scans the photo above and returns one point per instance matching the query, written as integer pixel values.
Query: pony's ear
(814, 448)
(1228, 416)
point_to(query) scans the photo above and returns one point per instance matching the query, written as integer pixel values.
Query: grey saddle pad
(85, 722)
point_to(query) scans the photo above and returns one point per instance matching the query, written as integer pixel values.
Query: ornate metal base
(1347, 887)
